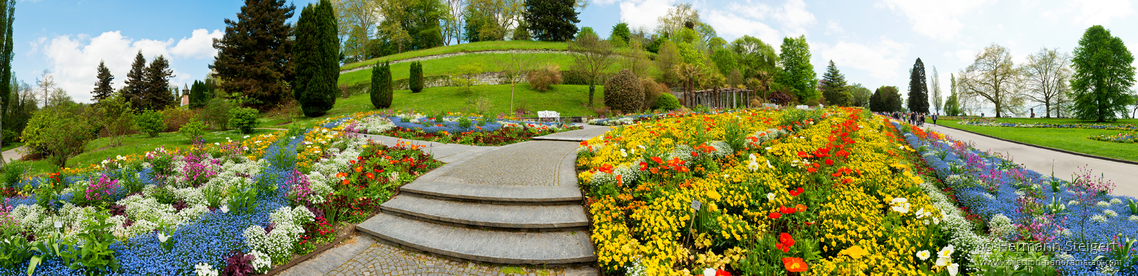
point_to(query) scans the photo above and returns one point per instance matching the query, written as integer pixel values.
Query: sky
(872, 42)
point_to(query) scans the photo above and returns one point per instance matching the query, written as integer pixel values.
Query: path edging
(1044, 147)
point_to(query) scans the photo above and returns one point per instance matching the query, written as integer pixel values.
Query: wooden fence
(714, 98)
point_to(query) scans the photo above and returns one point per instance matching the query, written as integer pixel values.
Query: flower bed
(816, 191)
(446, 128)
(994, 123)
(1077, 223)
(624, 120)
(1124, 137)
(204, 209)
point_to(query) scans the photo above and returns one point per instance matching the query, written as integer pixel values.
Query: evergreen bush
(624, 92)
(381, 92)
(667, 101)
(243, 119)
(416, 79)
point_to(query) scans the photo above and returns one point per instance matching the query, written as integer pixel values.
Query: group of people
(913, 118)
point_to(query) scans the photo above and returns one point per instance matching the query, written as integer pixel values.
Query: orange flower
(774, 215)
(606, 168)
(345, 182)
(341, 175)
(800, 207)
(372, 176)
(794, 264)
(785, 210)
(358, 169)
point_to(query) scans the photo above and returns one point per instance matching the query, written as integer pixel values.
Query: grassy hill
(447, 65)
(468, 47)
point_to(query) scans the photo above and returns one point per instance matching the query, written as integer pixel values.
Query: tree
(918, 89)
(136, 82)
(935, 83)
(754, 56)
(885, 99)
(7, 81)
(255, 54)
(551, 20)
(797, 72)
(495, 16)
(1103, 76)
(690, 75)
(20, 108)
(156, 85)
(620, 30)
(452, 21)
(1046, 76)
(952, 104)
(680, 16)
(667, 58)
(356, 19)
(60, 132)
(859, 95)
(834, 86)
(316, 58)
(513, 66)
(637, 60)
(103, 87)
(993, 78)
(381, 90)
(593, 57)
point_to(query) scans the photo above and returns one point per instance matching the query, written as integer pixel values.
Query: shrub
(652, 91)
(60, 131)
(243, 119)
(667, 101)
(784, 99)
(381, 92)
(175, 118)
(216, 113)
(416, 79)
(543, 79)
(193, 130)
(150, 122)
(117, 118)
(624, 92)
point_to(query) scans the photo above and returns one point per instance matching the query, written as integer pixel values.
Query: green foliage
(244, 199)
(254, 56)
(381, 90)
(952, 106)
(135, 89)
(544, 78)
(834, 87)
(216, 112)
(1103, 76)
(859, 95)
(157, 94)
(12, 173)
(94, 253)
(624, 92)
(667, 101)
(416, 80)
(103, 87)
(243, 119)
(620, 30)
(918, 89)
(725, 60)
(666, 59)
(551, 20)
(316, 54)
(193, 130)
(116, 117)
(521, 33)
(885, 99)
(150, 122)
(60, 131)
(201, 93)
(592, 56)
(797, 72)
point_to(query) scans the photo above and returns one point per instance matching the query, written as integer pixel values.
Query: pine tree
(381, 90)
(552, 20)
(103, 87)
(415, 81)
(157, 95)
(254, 57)
(135, 88)
(834, 87)
(316, 54)
(918, 90)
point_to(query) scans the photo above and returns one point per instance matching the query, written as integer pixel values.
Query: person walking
(934, 118)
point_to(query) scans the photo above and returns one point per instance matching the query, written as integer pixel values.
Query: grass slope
(467, 47)
(1066, 139)
(100, 149)
(443, 66)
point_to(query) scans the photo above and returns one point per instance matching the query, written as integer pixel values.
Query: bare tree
(514, 67)
(452, 23)
(46, 83)
(593, 57)
(993, 78)
(500, 14)
(1046, 75)
(935, 85)
(356, 19)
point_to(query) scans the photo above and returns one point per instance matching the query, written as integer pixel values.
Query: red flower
(370, 176)
(803, 154)
(785, 210)
(796, 192)
(773, 215)
(722, 273)
(657, 160)
(794, 264)
(829, 162)
(606, 168)
(643, 166)
(811, 170)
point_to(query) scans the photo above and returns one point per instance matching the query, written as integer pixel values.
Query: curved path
(1124, 176)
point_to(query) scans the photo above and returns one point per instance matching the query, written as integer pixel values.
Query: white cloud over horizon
(73, 59)
(883, 59)
(936, 19)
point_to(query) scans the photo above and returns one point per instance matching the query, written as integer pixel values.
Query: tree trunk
(592, 88)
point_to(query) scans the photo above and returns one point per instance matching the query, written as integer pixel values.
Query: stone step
(494, 194)
(509, 217)
(502, 247)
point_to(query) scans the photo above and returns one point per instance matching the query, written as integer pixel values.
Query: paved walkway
(1043, 160)
(509, 210)
(588, 131)
(14, 154)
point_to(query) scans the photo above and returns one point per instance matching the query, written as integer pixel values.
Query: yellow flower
(855, 252)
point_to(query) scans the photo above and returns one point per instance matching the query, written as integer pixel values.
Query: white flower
(924, 255)
(709, 272)
(1103, 204)
(953, 269)
(900, 205)
(1115, 201)
(770, 196)
(204, 269)
(768, 148)
(769, 164)
(946, 252)
(162, 237)
(1110, 213)
(225, 208)
(1133, 217)
(623, 153)
(753, 166)
(941, 262)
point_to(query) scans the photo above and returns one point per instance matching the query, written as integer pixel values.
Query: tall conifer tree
(103, 87)
(157, 95)
(135, 88)
(254, 57)
(316, 55)
(918, 89)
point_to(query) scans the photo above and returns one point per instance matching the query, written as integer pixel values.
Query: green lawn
(443, 66)
(1061, 121)
(569, 100)
(99, 149)
(467, 47)
(8, 146)
(1060, 138)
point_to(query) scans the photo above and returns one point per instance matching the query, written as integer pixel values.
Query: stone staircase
(517, 204)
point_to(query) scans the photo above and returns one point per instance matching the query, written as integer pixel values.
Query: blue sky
(873, 42)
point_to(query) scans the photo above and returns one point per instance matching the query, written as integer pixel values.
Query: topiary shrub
(243, 119)
(667, 101)
(150, 122)
(381, 86)
(652, 91)
(543, 79)
(416, 79)
(624, 92)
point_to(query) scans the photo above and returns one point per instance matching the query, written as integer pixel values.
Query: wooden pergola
(715, 98)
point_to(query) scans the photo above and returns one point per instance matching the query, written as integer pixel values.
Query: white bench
(546, 114)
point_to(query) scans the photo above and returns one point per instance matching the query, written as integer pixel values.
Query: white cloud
(1099, 12)
(644, 13)
(964, 56)
(794, 17)
(603, 2)
(74, 59)
(935, 18)
(833, 28)
(732, 25)
(883, 60)
(765, 22)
